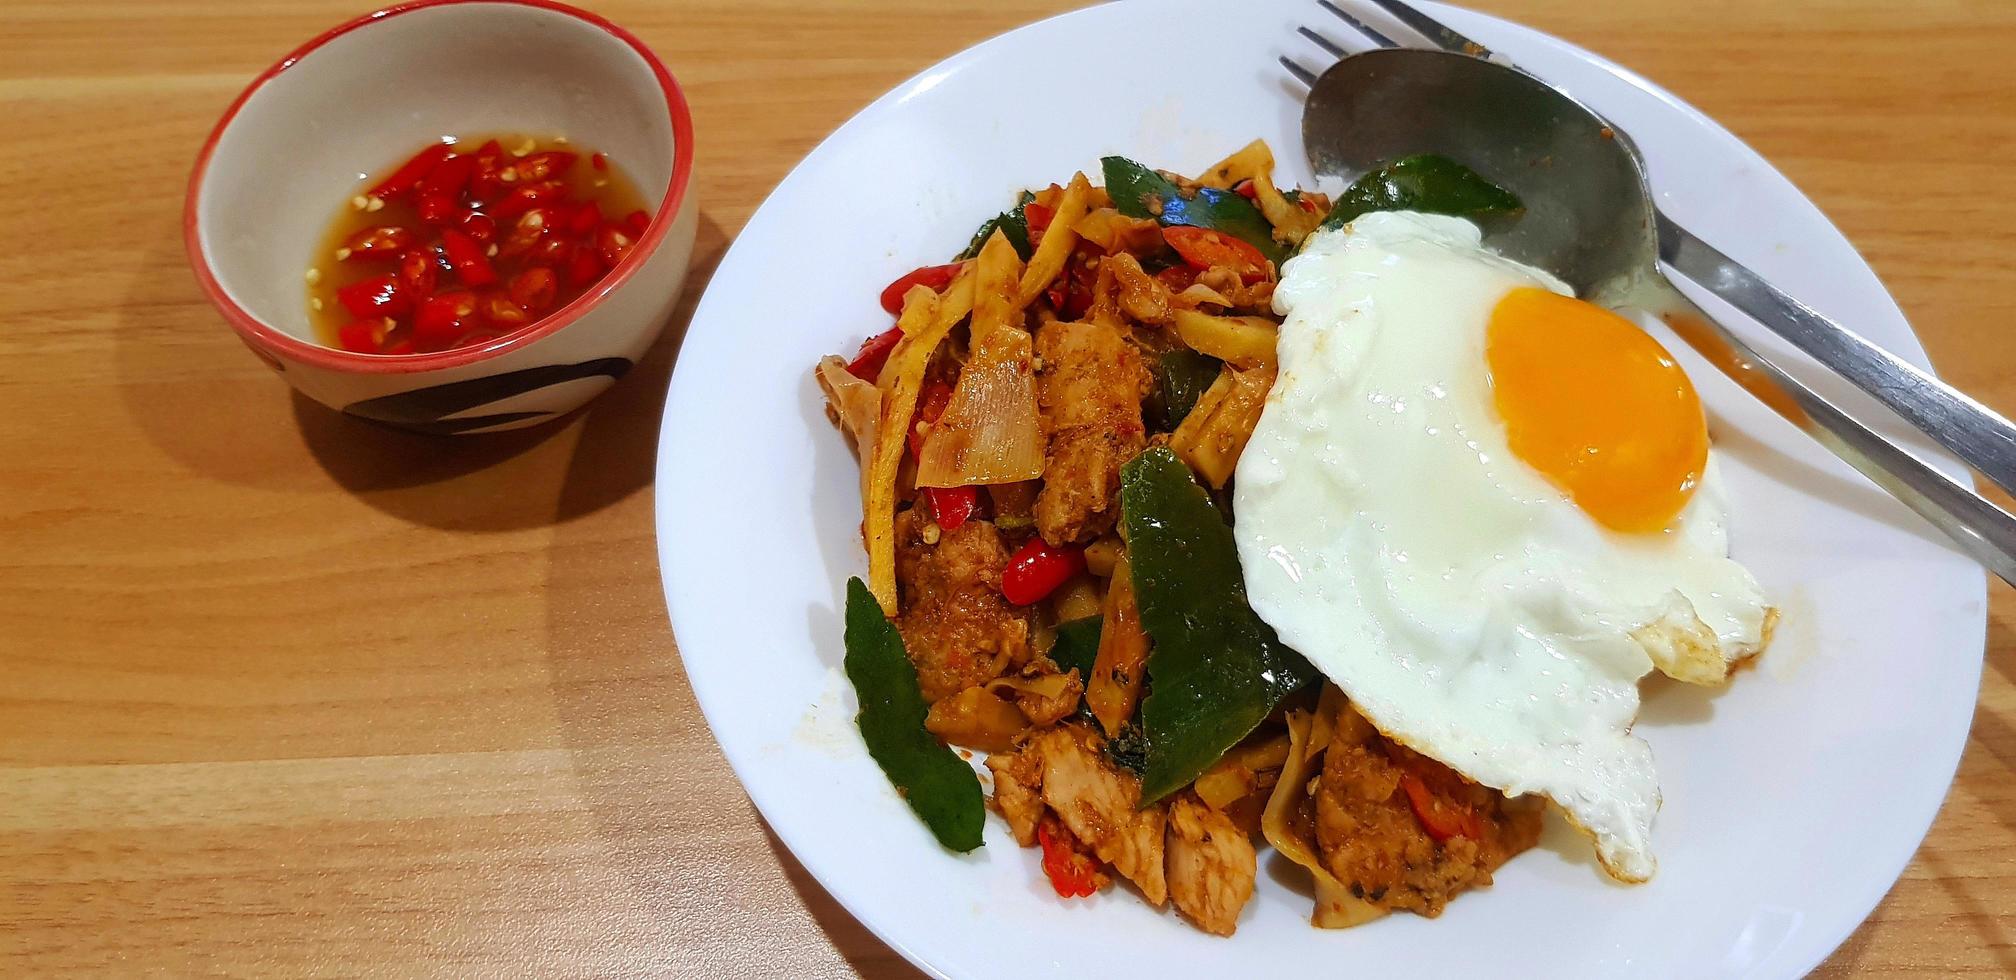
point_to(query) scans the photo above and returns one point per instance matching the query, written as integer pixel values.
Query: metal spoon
(1590, 219)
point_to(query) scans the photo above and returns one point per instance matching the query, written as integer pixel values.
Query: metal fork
(1971, 431)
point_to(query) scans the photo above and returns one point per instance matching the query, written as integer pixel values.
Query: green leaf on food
(1425, 182)
(928, 775)
(1139, 192)
(1129, 749)
(1012, 222)
(1077, 645)
(1181, 377)
(1216, 670)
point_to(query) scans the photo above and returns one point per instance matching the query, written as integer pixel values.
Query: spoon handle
(1967, 428)
(1982, 530)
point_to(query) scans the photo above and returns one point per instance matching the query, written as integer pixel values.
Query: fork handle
(1970, 430)
(1982, 530)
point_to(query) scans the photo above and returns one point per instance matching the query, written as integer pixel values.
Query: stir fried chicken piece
(1018, 792)
(1089, 392)
(1414, 847)
(1144, 297)
(959, 631)
(1096, 800)
(1211, 865)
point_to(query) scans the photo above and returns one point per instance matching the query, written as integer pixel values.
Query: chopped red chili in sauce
(469, 240)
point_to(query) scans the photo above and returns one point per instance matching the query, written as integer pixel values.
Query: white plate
(1792, 800)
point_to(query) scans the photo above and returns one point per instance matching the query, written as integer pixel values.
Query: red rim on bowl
(258, 334)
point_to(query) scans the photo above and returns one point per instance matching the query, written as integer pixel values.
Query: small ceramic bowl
(360, 99)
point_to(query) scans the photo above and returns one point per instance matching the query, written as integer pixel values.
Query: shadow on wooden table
(868, 955)
(1987, 769)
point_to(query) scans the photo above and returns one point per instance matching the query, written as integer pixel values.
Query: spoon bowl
(1589, 216)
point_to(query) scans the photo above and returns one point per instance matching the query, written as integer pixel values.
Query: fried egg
(1486, 509)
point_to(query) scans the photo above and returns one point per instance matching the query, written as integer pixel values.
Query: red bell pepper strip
(934, 276)
(1202, 248)
(412, 172)
(1036, 569)
(1038, 218)
(467, 258)
(1440, 818)
(874, 352)
(951, 506)
(1072, 874)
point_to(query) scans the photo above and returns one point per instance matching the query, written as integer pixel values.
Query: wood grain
(285, 692)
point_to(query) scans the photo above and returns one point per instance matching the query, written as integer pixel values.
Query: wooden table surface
(281, 691)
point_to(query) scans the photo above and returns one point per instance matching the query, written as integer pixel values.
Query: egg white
(1466, 606)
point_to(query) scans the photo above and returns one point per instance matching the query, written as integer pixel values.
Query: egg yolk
(1598, 406)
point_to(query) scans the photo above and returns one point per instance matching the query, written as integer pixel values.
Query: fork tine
(1306, 76)
(1368, 30)
(1336, 50)
(1444, 36)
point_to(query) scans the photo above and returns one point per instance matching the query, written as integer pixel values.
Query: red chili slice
(1203, 248)
(413, 171)
(476, 225)
(525, 198)
(379, 243)
(378, 296)
(638, 221)
(874, 352)
(530, 229)
(535, 289)
(951, 506)
(599, 162)
(931, 405)
(935, 276)
(1245, 189)
(442, 319)
(1441, 818)
(584, 219)
(450, 177)
(1177, 277)
(1038, 218)
(584, 267)
(467, 258)
(419, 274)
(1037, 569)
(498, 309)
(436, 209)
(544, 166)
(486, 180)
(552, 252)
(362, 336)
(1084, 274)
(613, 243)
(1072, 873)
